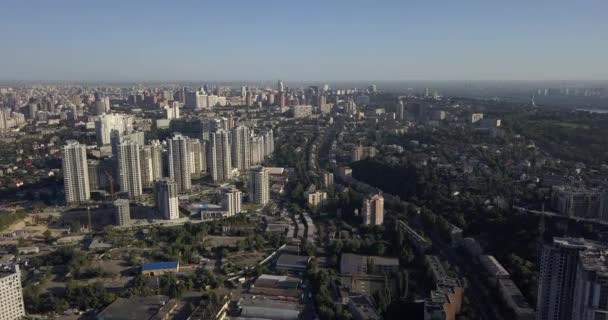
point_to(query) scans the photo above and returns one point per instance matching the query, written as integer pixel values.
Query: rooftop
(137, 308)
(160, 265)
(293, 260)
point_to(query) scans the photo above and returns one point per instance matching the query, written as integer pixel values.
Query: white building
(11, 295)
(122, 212)
(198, 162)
(219, 157)
(180, 162)
(231, 201)
(373, 210)
(241, 151)
(105, 123)
(259, 185)
(75, 173)
(129, 169)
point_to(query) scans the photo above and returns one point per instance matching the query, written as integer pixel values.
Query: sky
(331, 40)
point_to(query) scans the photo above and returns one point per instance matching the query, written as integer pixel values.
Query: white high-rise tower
(259, 190)
(241, 152)
(179, 162)
(219, 159)
(75, 173)
(129, 169)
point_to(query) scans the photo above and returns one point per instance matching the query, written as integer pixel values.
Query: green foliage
(89, 296)
(8, 218)
(399, 180)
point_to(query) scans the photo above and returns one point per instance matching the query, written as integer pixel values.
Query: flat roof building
(290, 262)
(138, 308)
(159, 268)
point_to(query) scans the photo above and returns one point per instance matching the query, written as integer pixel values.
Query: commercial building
(75, 173)
(259, 185)
(292, 263)
(373, 210)
(122, 212)
(180, 162)
(167, 202)
(11, 295)
(253, 307)
(129, 169)
(139, 308)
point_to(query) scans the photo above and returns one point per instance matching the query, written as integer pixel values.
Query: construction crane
(111, 184)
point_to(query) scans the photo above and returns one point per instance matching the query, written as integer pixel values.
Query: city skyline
(340, 41)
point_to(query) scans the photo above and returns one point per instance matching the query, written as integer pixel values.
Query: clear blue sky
(303, 40)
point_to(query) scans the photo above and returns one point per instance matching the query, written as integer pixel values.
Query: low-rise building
(138, 308)
(446, 299)
(514, 299)
(419, 242)
(494, 269)
(362, 308)
(361, 264)
(159, 268)
(292, 263)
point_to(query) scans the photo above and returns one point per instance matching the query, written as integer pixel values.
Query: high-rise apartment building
(373, 210)
(145, 165)
(241, 151)
(256, 147)
(105, 123)
(94, 168)
(328, 179)
(156, 152)
(11, 295)
(129, 169)
(122, 212)
(167, 201)
(567, 283)
(180, 162)
(198, 162)
(231, 201)
(219, 157)
(268, 143)
(400, 111)
(259, 185)
(75, 173)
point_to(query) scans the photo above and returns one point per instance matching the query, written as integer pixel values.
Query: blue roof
(159, 265)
